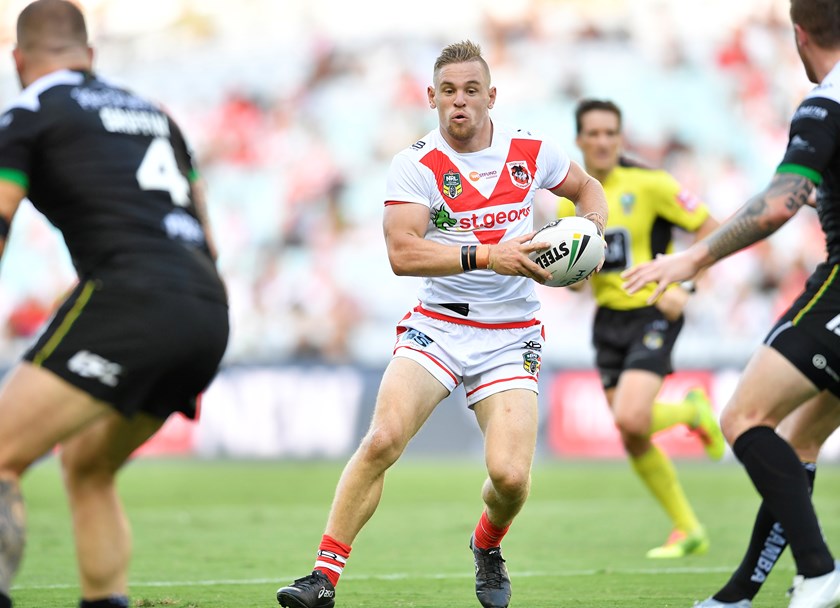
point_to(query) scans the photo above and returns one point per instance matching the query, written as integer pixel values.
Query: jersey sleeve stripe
(814, 176)
(15, 176)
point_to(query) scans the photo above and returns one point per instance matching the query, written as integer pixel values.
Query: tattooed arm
(760, 217)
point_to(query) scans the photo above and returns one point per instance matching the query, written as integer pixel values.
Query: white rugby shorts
(487, 360)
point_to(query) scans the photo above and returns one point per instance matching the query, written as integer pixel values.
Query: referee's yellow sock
(659, 475)
(665, 415)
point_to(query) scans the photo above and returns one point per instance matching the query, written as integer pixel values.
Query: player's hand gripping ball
(576, 250)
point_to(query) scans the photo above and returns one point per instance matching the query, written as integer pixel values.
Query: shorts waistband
(479, 324)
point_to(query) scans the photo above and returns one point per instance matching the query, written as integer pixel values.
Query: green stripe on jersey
(800, 170)
(15, 176)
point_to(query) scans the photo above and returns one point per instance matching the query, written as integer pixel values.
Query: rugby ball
(576, 250)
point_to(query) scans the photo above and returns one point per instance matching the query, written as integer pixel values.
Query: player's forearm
(592, 203)
(419, 257)
(760, 217)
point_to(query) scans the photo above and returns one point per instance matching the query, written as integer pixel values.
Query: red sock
(332, 555)
(487, 535)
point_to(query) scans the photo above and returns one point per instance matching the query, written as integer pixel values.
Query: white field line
(401, 576)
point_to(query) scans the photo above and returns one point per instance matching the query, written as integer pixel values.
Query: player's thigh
(38, 409)
(103, 446)
(770, 388)
(408, 394)
(509, 421)
(809, 426)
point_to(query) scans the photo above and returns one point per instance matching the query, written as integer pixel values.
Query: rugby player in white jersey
(459, 212)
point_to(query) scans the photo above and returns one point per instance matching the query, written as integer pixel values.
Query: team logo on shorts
(653, 340)
(519, 174)
(89, 365)
(452, 184)
(418, 337)
(531, 362)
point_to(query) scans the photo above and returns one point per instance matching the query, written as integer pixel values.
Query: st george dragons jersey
(483, 197)
(112, 172)
(813, 151)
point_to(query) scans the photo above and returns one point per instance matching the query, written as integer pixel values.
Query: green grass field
(213, 534)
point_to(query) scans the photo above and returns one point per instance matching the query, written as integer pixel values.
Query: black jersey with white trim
(112, 172)
(813, 151)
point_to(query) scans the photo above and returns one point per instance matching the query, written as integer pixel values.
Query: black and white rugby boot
(492, 583)
(312, 591)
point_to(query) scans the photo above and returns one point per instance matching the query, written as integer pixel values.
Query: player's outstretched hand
(663, 271)
(511, 258)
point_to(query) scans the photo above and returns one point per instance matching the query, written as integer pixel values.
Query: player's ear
(430, 92)
(492, 97)
(800, 35)
(17, 55)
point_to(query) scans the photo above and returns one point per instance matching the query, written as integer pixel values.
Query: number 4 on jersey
(159, 171)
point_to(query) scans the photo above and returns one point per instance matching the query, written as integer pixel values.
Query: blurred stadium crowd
(296, 108)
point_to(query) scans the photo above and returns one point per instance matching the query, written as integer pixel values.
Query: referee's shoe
(312, 591)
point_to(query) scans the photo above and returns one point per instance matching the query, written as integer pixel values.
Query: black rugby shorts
(137, 349)
(633, 339)
(808, 333)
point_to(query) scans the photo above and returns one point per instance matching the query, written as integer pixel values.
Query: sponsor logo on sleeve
(814, 112)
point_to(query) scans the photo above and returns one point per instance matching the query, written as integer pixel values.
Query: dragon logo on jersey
(441, 218)
(531, 362)
(452, 184)
(519, 174)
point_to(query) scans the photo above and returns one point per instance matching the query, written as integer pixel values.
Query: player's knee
(82, 471)
(383, 445)
(732, 424)
(632, 428)
(510, 481)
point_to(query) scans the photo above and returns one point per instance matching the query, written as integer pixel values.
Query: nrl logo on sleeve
(452, 184)
(519, 174)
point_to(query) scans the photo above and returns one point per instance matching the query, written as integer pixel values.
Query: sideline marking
(402, 575)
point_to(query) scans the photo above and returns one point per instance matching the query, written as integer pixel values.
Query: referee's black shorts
(808, 333)
(137, 349)
(641, 338)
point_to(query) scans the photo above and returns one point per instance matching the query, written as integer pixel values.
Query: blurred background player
(475, 323)
(634, 340)
(143, 332)
(798, 359)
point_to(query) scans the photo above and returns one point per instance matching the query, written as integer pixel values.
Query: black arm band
(472, 257)
(4, 227)
(464, 260)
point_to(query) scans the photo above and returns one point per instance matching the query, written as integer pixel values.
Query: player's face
(599, 140)
(463, 97)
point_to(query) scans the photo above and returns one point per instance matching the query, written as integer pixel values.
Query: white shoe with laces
(817, 592)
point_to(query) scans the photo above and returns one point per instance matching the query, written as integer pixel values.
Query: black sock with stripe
(777, 474)
(767, 544)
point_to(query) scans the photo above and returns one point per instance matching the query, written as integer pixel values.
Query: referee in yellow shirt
(633, 341)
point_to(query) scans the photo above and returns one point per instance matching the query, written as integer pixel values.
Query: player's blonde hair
(461, 52)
